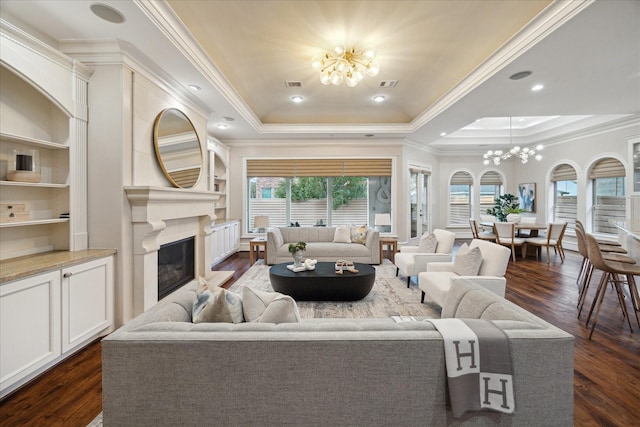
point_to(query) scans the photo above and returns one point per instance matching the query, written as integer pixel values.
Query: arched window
(460, 199)
(490, 190)
(609, 201)
(565, 194)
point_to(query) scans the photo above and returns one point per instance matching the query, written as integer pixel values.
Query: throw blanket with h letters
(478, 362)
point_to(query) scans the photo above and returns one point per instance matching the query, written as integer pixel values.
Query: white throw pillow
(467, 261)
(342, 235)
(359, 234)
(428, 243)
(269, 307)
(216, 304)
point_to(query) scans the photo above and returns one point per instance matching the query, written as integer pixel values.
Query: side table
(392, 247)
(254, 249)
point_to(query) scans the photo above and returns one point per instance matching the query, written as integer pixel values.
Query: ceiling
(452, 61)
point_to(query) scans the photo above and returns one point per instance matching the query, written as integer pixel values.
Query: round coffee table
(323, 284)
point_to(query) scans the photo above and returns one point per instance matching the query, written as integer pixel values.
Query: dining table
(534, 227)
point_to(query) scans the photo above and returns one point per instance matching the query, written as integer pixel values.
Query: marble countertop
(25, 266)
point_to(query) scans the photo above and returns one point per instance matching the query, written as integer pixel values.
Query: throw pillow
(342, 235)
(428, 243)
(467, 261)
(216, 304)
(359, 234)
(269, 307)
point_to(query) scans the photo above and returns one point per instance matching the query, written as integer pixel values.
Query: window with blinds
(609, 194)
(565, 187)
(460, 199)
(490, 189)
(318, 192)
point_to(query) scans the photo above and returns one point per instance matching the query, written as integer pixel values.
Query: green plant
(295, 247)
(505, 205)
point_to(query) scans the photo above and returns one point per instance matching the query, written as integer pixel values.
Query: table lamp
(382, 220)
(261, 222)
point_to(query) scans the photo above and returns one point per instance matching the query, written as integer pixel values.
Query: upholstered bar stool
(586, 269)
(611, 271)
(604, 244)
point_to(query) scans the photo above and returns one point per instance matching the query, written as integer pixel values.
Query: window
(565, 194)
(609, 201)
(300, 196)
(490, 190)
(460, 199)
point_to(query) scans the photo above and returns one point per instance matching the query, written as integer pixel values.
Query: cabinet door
(87, 301)
(29, 326)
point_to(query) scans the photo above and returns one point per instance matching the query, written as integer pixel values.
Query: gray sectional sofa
(320, 245)
(161, 369)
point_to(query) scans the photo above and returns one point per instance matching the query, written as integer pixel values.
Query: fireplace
(176, 265)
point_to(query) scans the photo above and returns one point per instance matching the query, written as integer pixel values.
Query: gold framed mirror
(177, 148)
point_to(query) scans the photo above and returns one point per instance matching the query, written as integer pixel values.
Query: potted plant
(505, 205)
(297, 251)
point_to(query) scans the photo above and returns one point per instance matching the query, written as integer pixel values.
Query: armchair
(439, 277)
(411, 262)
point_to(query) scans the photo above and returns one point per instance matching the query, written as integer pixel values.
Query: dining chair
(586, 269)
(477, 234)
(553, 239)
(611, 271)
(526, 232)
(506, 236)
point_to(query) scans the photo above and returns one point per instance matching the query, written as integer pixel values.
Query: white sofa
(411, 262)
(320, 245)
(436, 282)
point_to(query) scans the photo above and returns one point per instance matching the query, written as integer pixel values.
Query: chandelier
(348, 65)
(497, 156)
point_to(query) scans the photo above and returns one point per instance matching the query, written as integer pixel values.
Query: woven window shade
(607, 168)
(491, 178)
(564, 173)
(461, 178)
(318, 167)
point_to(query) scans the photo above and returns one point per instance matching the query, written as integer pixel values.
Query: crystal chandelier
(497, 156)
(348, 65)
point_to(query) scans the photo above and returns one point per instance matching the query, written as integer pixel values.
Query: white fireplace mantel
(169, 212)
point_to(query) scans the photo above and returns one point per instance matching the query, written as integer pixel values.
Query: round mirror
(177, 148)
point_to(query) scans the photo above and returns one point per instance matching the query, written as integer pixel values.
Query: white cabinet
(87, 301)
(45, 317)
(29, 326)
(225, 239)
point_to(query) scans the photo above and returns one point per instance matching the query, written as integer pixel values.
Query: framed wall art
(527, 196)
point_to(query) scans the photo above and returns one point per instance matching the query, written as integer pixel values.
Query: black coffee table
(323, 284)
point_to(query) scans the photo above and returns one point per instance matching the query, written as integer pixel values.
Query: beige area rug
(389, 296)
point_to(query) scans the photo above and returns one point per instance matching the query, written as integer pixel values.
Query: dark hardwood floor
(607, 368)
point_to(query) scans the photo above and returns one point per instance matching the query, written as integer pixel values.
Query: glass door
(419, 198)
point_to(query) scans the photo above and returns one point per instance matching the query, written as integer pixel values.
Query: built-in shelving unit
(218, 161)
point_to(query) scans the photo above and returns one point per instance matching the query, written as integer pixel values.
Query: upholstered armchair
(439, 277)
(410, 261)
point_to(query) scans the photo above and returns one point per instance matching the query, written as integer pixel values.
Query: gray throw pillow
(216, 304)
(467, 261)
(269, 307)
(428, 243)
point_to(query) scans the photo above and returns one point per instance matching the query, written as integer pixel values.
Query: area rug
(389, 296)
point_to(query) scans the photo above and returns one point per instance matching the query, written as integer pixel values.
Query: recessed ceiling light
(379, 98)
(297, 99)
(228, 119)
(520, 75)
(443, 133)
(222, 126)
(194, 88)
(369, 135)
(537, 87)
(107, 13)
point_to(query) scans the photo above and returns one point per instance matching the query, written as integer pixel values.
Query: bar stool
(611, 270)
(586, 269)
(605, 245)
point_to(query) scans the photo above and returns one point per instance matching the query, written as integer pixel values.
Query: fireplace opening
(176, 265)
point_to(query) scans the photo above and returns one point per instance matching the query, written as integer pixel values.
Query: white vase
(514, 218)
(298, 258)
